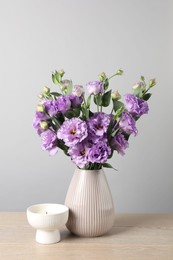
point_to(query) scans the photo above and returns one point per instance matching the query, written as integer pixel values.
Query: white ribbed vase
(90, 203)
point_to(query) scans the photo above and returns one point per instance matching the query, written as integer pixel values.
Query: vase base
(92, 230)
(89, 236)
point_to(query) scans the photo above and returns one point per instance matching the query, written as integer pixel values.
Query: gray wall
(85, 38)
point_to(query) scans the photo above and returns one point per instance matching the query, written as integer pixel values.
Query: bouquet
(90, 137)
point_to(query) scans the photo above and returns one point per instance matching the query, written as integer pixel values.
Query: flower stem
(112, 111)
(101, 103)
(97, 107)
(85, 106)
(112, 76)
(146, 91)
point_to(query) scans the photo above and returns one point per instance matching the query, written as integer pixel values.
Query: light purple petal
(73, 131)
(128, 124)
(95, 87)
(136, 106)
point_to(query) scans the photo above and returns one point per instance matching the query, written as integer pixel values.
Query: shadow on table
(125, 222)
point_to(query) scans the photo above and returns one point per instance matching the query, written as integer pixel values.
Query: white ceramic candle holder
(47, 220)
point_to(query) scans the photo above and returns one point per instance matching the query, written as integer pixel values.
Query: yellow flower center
(82, 152)
(73, 131)
(99, 127)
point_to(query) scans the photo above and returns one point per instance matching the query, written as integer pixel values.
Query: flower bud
(95, 87)
(63, 88)
(78, 90)
(139, 85)
(102, 76)
(56, 77)
(152, 83)
(44, 125)
(61, 72)
(40, 108)
(41, 96)
(138, 89)
(120, 72)
(115, 95)
(65, 84)
(46, 90)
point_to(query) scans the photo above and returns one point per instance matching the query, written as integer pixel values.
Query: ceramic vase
(89, 199)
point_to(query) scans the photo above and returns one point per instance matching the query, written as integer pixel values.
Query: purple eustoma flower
(98, 124)
(136, 106)
(119, 143)
(78, 154)
(99, 153)
(128, 124)
(49, 142)
(95, 87)
(51, 107)
(75, 100)
(39, 116)
(63, 103)
(73, 131)
(94, 139)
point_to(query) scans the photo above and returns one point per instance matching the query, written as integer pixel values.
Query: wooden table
(134, 236)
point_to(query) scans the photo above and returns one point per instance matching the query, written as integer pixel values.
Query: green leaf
(87, 113)
(56, 122)
(55, 81)
(147, 96)
(115, 132)
(98, 100)
(138, 92)
(53, 125)
(142, 78)
(56, 77)
(106, 98)
(96, 166)
(69, 114)
(75, 112)
(126, 136)
(88, 102)
(106, 84)
(118, 113)
(90, 113)
(108, 165)
(69, 89)
(60, 117)
(110, 156)
(56, 94)
(87, 167)
(83, 112)
(63, 147)
(111, 125)
(117, 105)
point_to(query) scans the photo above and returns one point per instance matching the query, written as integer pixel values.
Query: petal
(53, 151)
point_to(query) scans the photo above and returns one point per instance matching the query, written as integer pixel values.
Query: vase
(89, 199)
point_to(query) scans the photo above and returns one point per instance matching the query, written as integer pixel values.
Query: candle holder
(47, 219)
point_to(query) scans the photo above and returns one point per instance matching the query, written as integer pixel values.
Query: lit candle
(47, 220)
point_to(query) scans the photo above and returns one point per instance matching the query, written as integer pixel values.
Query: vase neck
(83, 171)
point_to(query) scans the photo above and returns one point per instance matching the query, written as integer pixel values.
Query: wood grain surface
(134, 236)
